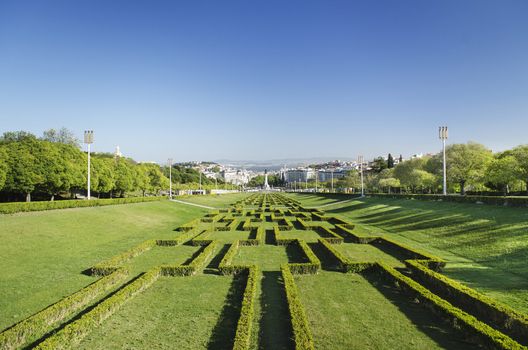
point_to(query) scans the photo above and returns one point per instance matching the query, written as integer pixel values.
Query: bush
(108, 266)
(487, 336)
(196, 264)
(42, 322)
(495, 314)
(344, 263)
(311, 267)
(10, 208)
(328, 235)
(301, 331)
(245, 321)
(74, 332)
(432, 261)
(347, 232)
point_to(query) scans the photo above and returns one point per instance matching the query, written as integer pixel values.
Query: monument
(266, 184)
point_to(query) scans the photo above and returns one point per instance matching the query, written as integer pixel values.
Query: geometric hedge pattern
(211, 244)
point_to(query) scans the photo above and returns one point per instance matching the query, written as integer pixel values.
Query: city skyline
(273, 80)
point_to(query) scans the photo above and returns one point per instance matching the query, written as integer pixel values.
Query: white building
(236, 176)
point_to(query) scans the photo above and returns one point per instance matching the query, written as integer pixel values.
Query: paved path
(194, 204)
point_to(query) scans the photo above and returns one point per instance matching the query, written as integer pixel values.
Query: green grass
(175, 313)
(226, 236)
(43, 253)
(169, 255)
(268, 257)
(346, 311)
(217, 201)
(307, 235)
(486, 246)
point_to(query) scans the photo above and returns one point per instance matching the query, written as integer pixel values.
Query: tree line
(470, 167)
(54, 165)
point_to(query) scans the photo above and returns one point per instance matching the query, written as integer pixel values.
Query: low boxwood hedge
(74, 332)
(194, 266)
(10, 208)
(312, 266)
(495, 314)
(108, 266)
(302, 335)
(245, 321)
(34, 327)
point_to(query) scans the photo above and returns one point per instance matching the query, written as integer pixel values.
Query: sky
(259, 80)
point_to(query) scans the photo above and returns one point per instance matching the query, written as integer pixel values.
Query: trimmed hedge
(285, 225)
(108, 266)
(225, 267)
(42, 322)
(344, 263)
(460, 320)
(337, 221)
(74, 332)
(194, 266)
(311, 267)
(301, 331)
(432, 261)
(184, 237)
(245, 321)
(495, 314)
(347, 232)
(328, 235)
(190, 225)
(247, 225)
(281, 241)
(492, 200)
(16, 207)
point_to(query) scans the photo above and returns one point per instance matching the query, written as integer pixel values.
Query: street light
(88, 139)
(170, 178)
(442, 135)
(360, 161)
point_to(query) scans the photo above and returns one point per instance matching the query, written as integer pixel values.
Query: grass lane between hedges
(43, 253)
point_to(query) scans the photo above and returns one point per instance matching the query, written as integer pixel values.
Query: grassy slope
(345, 311)
(175, 313)
(43, 253)
(486, 246)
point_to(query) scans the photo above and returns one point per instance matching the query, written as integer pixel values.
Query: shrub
(42, 322)
(196, 264)
(344, 263)
(347, 232)
(108, 266)
(245, 321)
(385, 242)
(495, 314)
(74, 332)
(328, 235)
(311, 267)
(488, 337)
(10, 208)
(301, 331)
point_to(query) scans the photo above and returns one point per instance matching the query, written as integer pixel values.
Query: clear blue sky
(267, 79)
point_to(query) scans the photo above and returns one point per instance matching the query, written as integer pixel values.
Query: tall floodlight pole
(170, 178)
(442, 134)
(200, 179)
(360, 161)
(88, 139)
(316, 179)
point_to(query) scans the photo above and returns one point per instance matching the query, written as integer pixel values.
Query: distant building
(298, 175)
(326, 175)
(236, 176)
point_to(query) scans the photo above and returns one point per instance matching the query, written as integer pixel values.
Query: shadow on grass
(223, 334)
(81, 313)
(215, 261)
(434, 327)
(295, 254)
(275, 325)
(328, 261)
(269, 237)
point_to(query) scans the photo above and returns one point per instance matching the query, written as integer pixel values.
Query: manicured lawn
(175, 313)
(307, 235)
(43, 253)
(227, 236)
(346, 311)
(268, 257)
(217, 201)
(486, 246)
(164, 255)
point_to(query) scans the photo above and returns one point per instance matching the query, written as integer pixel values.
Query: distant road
(194, 204)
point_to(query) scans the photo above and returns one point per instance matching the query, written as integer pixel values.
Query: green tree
(467, 163)
(390, 161)
(389, 183)
(24, 173)
(378, 164)
(3, 166)
(351, 180)
(124, 176)
(521, 155)
(503, 172)
(404, 172)
(103, 177)
(63, 135)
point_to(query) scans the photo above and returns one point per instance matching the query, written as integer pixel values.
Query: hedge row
(245, 321)
(74, 332)
(493, 200)
(304, 225)
(281, 241)
(182, 238)
(488, 337)
(39, 324)
(194, 266)
(247, 225)
(497, 315)
(328, 235)
(344, 263)
(10, 208)
(320, 217)
(285, 225)
(301, 331)
(190, 225)
(225, 267)
(347, 232)
(312, 266)
(108, 266)
(432, 261)
(337, 221)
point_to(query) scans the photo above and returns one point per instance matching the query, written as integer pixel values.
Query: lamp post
(360, 161)
(442, 135)
(88, 139)
(170, 178)
(316, 179)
